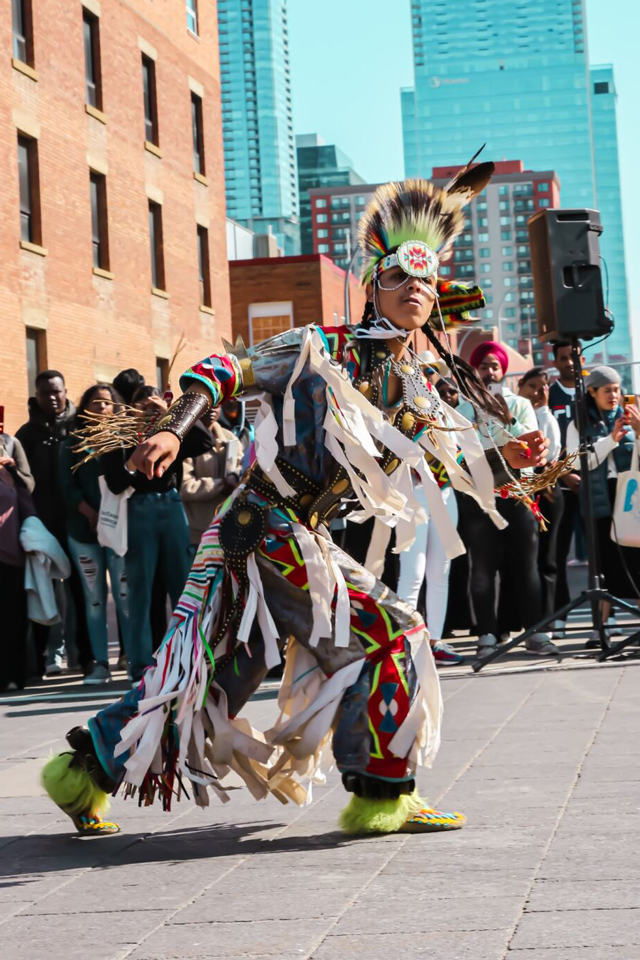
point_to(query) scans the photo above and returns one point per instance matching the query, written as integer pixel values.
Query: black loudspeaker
(567, 281)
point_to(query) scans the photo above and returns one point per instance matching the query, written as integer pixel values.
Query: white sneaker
(98, 675)
(541, 644)
(53, 670)
(487, 643)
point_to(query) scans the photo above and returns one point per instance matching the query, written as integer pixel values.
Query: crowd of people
(55, 572)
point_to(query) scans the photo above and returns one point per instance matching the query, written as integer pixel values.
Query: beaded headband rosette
(412, 225)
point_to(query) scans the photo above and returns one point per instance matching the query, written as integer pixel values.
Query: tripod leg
(503, 648)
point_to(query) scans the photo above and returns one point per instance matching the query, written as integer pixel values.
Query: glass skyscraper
(257, 121)
(514, 73)
(605, 143)
(320, 165)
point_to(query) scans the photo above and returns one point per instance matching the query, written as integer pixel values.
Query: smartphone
(629, 398)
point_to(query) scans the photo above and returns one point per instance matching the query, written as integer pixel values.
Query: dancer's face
(406, 301)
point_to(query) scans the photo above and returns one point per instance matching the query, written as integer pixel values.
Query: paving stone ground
(546, 764)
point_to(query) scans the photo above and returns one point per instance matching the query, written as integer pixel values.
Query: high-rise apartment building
(112, 205)
(515, 74)
(493, 250)
(319, 165)
(335, 213)
(257, 121)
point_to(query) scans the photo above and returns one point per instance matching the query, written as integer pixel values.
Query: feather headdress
(417, 210)
(411, 210)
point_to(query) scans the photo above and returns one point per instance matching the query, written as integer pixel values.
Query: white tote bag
(112, 518)
(625, 524)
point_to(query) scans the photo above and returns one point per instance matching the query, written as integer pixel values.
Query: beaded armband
(182, 414)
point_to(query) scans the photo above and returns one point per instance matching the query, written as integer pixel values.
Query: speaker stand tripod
(595, 592)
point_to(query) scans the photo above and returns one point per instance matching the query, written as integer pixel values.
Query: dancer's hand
(533, 455)
(154, 456)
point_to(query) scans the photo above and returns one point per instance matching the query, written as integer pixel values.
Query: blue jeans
(158, 535)
(92, 562)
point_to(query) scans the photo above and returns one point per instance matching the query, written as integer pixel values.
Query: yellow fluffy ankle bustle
(362, 815)
(71, 787)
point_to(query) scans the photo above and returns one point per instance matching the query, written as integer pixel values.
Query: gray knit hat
(602, 375)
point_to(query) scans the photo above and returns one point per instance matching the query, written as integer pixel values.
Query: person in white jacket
(534, 386)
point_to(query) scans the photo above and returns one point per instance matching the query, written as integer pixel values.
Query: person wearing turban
(518, 597)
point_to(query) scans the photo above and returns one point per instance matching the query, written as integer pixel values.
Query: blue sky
(349, 63)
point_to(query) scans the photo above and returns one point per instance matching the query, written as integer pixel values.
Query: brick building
(272, 295)
(112, 195)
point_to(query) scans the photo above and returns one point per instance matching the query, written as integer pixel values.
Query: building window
(267, 319)
(150, 100)
(483, 222)
(321, 234)
(99, 220)
(156, 246)
(321, 203)
(543, 188)
(485, 268)
(192, 16)
(197, 127)
(602, 86)
(92, 72)
(22, 31)
(485, 252)
(444, 271)
(361, 201)
(503, 191)
(544, 201)
(483, 238)
(505, 234)
(508, 281)
(504, 205)
(509, 297)
(510, 312)
(162, 373)
(488, 314)
(507, 264)
(507, 251)
(30, 224)
(505, 221)
(321, 218)
(203, 267)
(323, 248)
(36, 342)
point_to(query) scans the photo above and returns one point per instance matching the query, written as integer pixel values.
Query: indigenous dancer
(347, 414)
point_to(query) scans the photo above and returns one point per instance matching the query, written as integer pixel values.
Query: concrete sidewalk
(545, 764)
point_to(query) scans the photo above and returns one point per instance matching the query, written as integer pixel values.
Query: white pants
(427, 557)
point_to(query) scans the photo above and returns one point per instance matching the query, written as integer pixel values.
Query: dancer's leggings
(381, 629)
(427, 557)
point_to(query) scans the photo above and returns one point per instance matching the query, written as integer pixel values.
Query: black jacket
(42, 440)
(199, 440)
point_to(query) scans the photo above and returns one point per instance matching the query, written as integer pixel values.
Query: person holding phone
(612, 431)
